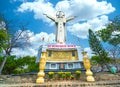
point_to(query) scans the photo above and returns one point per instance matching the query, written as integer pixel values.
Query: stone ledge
(115, 83)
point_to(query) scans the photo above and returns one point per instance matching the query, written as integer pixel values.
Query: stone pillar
(41, 74)
(87, 66)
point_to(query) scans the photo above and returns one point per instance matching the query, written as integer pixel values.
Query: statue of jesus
(60, 22)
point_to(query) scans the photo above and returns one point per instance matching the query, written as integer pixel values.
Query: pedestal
(87, 65)
(41, 73)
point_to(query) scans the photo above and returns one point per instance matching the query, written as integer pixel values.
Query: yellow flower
(60, 72)
(50, 73)
(78, 72)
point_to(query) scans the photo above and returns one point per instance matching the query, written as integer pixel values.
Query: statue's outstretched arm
(50, 17)
(70, 18)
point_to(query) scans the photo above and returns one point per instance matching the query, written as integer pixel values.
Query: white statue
(60, 22)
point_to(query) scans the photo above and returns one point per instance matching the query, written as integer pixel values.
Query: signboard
(61, 46)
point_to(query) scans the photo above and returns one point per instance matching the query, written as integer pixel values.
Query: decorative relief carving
(62, 56)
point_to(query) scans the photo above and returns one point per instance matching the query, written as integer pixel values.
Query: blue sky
(94, 14)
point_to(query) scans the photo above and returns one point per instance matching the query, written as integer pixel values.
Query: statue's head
(60, 14)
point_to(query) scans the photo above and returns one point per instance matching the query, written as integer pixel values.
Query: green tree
(30, 63)
(97, 60)
(26, 64)
(20, 65)
(97, 49)
(11, 38)
(3, 38)
(111, 33)
(10, 65)
(114, 53)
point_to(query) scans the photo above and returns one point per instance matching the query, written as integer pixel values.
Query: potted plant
(78, 72)
(51, 75)
(60, 74)
(68, 74)
(72, 77)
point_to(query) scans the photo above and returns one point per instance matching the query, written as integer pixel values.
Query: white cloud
(28, 51)
(115, 32)
(92, 13)
(2, 25)
(89, 51)
(35, 41)
(82, 9)
(81, 29)
(85, 9)
(38, 7)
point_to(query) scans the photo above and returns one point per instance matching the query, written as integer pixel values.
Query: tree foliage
(101, 55)
(111, 33)
(95, 60)
(95, 44)
(20, 65)
(3, 35)
(3, 38)
(12, 36)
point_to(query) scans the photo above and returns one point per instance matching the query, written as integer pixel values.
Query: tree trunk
(106, 64)
(117, 67)
(3, 63)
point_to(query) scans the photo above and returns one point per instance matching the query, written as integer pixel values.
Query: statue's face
(60, 14)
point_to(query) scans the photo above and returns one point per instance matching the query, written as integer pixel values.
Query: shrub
(68, 74)
(71, 77)
(51, 75)
(78, 72)
(64, 76)
(60, 74)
